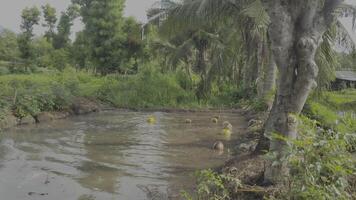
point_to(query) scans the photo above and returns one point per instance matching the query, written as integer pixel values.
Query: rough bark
(295, 32)
(269, 82)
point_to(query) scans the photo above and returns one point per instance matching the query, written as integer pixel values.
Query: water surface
(110, 155)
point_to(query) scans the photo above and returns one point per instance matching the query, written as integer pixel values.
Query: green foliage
(320, 164)
(342, 100)
(80, 51)
(133, 46)
(103, 21)
(334, 110)
(31, 94)
(213, 186)
(62, 38)
(49, 14)
(30, 17)
(147, 89)
(4, 70)
(8, 46)
(322, 113)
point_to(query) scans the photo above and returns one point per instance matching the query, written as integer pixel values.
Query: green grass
(341, 100)
(334, 109)
(33, 93)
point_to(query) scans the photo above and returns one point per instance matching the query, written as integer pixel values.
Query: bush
(147, 89)
(31, 94)
(4, 71)
(213, 186)
(320, 165)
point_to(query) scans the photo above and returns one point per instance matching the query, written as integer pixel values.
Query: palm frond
(343, 38)
(258, 17)
(348, 10)
(326, 58)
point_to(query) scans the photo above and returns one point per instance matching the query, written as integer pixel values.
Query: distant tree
(103, 21)
(9, 50)
(30, 17)
(134, 46)
(50, 18)
(80, 52)
(62, 38)
(42, 50)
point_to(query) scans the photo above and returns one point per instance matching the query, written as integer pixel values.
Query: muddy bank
(79, 106)
(247, 165)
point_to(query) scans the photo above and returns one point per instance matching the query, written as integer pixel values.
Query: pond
(111, 155)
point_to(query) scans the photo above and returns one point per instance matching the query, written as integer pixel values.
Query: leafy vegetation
(321, 167)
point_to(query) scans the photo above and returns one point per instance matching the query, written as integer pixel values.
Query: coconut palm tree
(299, 34)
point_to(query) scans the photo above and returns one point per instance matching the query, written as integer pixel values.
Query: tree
(194, 45)
(9, 50)
(30, 17)
(103, 21)
(80, 52)
(62, 38)
(50, 18)
(133, 45)
(245, 27)
(296, 31)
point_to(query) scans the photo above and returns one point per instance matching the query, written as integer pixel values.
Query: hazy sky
(10, 11)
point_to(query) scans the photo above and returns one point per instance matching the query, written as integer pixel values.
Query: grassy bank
(335, 110)
(29, 94)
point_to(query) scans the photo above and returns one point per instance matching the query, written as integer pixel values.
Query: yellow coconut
(151, 120)
(226, 132)
(214, 120)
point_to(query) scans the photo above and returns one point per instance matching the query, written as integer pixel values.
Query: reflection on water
(111, 155)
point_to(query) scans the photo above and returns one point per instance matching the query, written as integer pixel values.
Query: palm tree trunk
(261, 68)
(295, 32)
(269, 81)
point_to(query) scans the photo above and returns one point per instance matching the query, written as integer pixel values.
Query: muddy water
(110, 155)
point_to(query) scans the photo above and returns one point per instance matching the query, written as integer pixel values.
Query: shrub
(4, 71)
(213, 186)
(320, 165)
(149, 88)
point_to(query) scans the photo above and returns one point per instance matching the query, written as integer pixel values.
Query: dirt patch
(82, 106)
(8, 121)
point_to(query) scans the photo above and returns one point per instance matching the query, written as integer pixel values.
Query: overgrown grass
(333, 108)
(29, 94)
(53, 91)
(148, 89)
(344, 100)
(321, 164)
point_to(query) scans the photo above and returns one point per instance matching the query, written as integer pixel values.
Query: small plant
(319, 163)
(213, 186)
